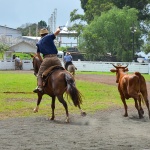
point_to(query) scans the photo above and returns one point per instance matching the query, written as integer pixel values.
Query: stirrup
(38, 89)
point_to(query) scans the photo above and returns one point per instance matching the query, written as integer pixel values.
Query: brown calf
(131, 86)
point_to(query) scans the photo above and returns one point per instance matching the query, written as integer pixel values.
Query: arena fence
(85, 66)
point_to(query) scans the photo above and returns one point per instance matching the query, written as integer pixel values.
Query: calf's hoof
(141, 116)
(125, 115)
(142, 111)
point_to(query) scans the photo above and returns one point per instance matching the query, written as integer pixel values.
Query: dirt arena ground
(104, 130)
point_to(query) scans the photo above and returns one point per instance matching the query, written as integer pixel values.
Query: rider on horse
(67, 60)
(46, 47)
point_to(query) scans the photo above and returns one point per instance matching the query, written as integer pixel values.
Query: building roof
(9, 28)
(31, 37)
(23, 47)
(66, 33)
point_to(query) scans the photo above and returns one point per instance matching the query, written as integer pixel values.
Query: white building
(9, 32)
(22, 47)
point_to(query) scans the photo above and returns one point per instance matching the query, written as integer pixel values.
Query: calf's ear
(113, 70)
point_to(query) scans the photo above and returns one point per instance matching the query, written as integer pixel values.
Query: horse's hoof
(35, 110)
(83, 114)
(67, 120)
(52, 118)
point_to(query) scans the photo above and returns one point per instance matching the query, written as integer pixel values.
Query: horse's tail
(72, 91)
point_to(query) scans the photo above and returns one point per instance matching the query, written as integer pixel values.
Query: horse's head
(36, 64)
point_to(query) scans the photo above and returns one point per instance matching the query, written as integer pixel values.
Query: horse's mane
(36, 63)
(33, 55)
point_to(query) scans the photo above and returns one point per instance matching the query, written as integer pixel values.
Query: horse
(58, 82)
(18, 65)
(71, 68)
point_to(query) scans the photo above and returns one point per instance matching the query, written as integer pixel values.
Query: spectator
(67, 60)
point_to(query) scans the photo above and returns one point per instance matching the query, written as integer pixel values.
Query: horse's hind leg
(53, 108)
(82, 112)
(38, 102)
(61, 100)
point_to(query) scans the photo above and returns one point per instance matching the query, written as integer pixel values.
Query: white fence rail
(84, 66)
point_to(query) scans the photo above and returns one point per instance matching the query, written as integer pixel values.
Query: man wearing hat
(67, 60)
(46, 47)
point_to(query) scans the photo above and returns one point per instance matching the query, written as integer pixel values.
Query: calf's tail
(141, 97)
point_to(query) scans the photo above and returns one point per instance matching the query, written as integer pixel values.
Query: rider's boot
(39, 88)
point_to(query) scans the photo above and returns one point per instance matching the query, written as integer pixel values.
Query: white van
(60, 55)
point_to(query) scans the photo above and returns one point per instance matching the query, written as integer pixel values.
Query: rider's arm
(57, 31)
(39, 56)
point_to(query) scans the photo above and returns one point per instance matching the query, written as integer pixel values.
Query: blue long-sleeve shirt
(46, 45)
(67, 58)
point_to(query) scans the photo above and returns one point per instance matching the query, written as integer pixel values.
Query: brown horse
(58, 82)
(71, 68)
(18, 65)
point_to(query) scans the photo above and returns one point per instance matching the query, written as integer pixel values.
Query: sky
(14, 13)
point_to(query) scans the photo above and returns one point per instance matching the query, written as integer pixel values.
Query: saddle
(47, 73)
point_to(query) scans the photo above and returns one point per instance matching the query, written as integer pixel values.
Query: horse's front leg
(38, 102)
(53, 107)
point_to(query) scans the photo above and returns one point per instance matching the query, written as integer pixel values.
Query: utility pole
(29, 31)
(52, 21)
(55, 16)
(36, 30)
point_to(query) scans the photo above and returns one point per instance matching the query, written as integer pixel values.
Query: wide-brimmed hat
(43, 31)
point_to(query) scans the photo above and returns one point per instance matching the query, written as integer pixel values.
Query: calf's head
(119, 69)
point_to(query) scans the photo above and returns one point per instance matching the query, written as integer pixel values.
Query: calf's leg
(125, 106)
(138, 108)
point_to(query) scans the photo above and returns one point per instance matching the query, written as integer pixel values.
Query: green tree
(79, 22)
(110, 33)
(83, 4)
(42, 24)
(31, 29)
(146, 47)
(140, 5)
(94, 8)
(3, 48)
